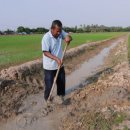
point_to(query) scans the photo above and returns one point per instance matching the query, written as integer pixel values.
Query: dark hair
(56, 23)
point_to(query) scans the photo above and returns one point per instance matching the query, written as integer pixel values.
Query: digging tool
(54, 82)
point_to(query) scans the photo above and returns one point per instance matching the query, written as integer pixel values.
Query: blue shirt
(54, 46)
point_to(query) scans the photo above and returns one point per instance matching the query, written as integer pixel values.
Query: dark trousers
(49, 76)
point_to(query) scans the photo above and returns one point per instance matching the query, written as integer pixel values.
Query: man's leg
(48, 79)
(61, 82)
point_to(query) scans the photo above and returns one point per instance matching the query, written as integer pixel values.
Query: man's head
(56, 28)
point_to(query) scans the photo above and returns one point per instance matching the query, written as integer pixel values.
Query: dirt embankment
(19, 81)
(105, 103)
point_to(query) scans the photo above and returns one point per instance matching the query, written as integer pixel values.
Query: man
(52, 54)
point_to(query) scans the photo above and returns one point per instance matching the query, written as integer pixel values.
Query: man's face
(56, 31)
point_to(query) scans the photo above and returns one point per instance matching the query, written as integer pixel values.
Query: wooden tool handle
(54, 82)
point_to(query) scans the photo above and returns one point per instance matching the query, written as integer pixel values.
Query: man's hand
(68, 39)
(59, 62)
(48, 54)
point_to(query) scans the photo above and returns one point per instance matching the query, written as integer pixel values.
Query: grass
(18, 49)
(79, 39)
(98, 121)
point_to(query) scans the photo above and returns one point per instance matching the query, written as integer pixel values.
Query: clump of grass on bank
(17, 49)
(98, 121)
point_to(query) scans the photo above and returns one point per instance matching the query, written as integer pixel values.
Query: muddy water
(88, 68)
(32, 114)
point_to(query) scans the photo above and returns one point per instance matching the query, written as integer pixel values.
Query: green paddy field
(18, 49)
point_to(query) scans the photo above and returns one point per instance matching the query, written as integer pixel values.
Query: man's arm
(48, 54)
(46, 48)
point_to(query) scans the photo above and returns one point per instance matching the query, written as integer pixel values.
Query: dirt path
(32, 114)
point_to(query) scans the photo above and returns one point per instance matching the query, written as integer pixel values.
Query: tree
(20, 29)
(27, 30)
(8, 31)
(41, 30)
(1, 33)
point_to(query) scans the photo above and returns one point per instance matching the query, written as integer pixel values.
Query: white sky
(40, 13)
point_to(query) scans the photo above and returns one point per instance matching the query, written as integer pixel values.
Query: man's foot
(59, 99)
(47, 102)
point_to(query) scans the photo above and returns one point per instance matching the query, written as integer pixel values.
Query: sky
(40, 13)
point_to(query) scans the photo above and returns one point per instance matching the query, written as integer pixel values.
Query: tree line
(25, 30)
(81, 29)
(96, 28)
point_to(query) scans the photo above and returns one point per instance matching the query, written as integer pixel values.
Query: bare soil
(108, 91)
(103, 104)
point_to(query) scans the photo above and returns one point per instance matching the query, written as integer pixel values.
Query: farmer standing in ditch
(52, 54)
